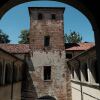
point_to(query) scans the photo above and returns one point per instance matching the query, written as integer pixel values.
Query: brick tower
(48, 52)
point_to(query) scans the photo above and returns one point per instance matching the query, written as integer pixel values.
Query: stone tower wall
(46, 26)
(53, 55)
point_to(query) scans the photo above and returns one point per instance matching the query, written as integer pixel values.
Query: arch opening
(47, 97)
(67, 28)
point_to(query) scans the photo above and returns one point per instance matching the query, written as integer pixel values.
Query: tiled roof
(78, 46)
(10, 54)
(24, 48)
(84, 52)
(15, 48)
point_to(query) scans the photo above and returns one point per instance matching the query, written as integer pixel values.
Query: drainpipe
(80, 80)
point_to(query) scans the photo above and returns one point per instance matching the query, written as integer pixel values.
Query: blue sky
(17, 19)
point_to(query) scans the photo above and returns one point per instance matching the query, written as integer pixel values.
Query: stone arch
(74, 3)
(47, 97)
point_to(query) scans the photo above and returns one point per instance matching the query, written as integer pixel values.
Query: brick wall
(45, 27)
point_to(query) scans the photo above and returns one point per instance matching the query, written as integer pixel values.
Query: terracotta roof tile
(79, 46)
(84, 52)
(24, 48)
(15, 48)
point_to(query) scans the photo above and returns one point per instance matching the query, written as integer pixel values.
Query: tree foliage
(4, 38)
(73, 37)
(24, 37)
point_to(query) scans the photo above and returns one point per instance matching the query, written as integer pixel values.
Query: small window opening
(47, 72)
(53, 16)
(69, 56)
(40, 16)
(46, 41)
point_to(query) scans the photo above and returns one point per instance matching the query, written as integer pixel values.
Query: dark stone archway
(77, 4)
(46, 98)
(88, 7)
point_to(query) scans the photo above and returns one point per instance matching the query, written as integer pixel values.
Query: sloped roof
(10, 54)
(15, 48)
(84, 52)
(24, 48)
(79, 46)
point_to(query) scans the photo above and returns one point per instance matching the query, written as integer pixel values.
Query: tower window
(40, 16)
(47, 72)
(46, 41)
(53, 16)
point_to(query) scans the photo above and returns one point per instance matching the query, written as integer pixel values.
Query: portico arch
(78, 5)
(75, 3)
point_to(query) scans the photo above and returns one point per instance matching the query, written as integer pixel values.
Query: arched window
(40, 16)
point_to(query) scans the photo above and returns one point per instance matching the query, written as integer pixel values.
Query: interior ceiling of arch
(92, 6)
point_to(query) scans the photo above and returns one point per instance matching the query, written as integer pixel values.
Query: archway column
(97, 42)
